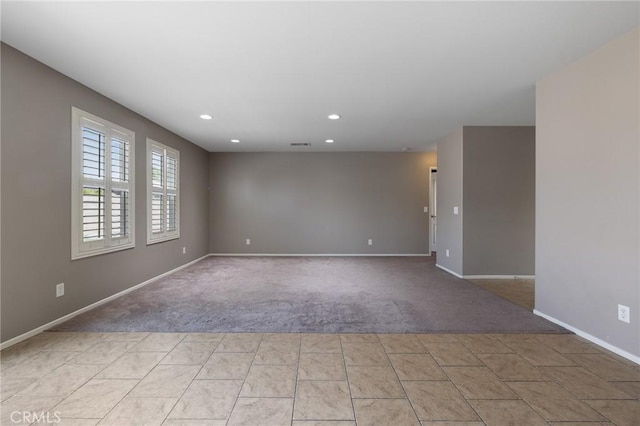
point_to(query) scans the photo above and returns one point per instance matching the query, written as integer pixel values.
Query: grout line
(346, 373)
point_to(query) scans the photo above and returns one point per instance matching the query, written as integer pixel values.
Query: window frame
(167, 151)
(81, 249)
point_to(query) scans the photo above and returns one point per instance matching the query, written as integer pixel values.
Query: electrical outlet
(447, 252)
(248, 241)
(370, 242)
(623, 313)
(184, 250)
(60, 290)
(426, 209)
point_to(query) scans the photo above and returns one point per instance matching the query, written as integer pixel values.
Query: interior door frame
(431, 204)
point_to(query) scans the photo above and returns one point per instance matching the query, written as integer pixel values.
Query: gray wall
(312, 203)
(588, 185)
(449, 234)
(36, 199)
(499, 200)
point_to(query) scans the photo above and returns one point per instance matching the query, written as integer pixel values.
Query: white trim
(321, 255)
(499, 277)
(64, 318)
(449, 271)
(167, 151)
(79, 248)
(432, 199)
(599, 342)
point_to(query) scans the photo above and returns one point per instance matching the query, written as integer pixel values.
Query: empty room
(320, 213)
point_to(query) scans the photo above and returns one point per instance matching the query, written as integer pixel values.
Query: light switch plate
(426, 209)
(455, 210)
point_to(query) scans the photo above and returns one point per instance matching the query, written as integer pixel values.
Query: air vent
(300, 144)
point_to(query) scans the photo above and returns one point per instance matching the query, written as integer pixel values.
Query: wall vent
(300, 144)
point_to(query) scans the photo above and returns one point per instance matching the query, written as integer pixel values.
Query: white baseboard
(599, 342)
(499, 277)
(42, 328)
(322, 254)
(449, 271)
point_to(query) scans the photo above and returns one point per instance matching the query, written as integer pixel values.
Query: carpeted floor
(312, 294)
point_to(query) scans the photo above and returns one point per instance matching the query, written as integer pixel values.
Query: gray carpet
(312, 294)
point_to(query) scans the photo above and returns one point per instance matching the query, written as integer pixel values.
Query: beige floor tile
(270, 381)
(283, 339)
(479, 383)
(102, 353)
(194, 422)
(416, 367)
(53, 358)
(397, 412)
(606, 367)
(26, 404)
(438, 401)
(37, 365)
(11, 386)
(261, 411)
(540, 354)
(323, 400)
(196, 353)
(499, 413)
(364, 354)
(568, 344)
(72, 342)
(28, 370)
(483, 344)
(512, 367)
(630, 388)
(580, 423)
(374, 382)
(240, 342)
(207, 399)
(226, 366)
(136, 411)
(22, 351)
(436, 423)
(322, 423)
(204, 337)
(401, 344)
(166, 381)
(277, 353)
(132, 365)
(68, 422)
(321, 343)
(452, 354)
(95, 398)
(436, 338)
(622, 413)
(583, 384)
(62, 381)
(320, 366)
(125, 336)
(159, 342)
(516, 338)
(553, 402)
(359, 338)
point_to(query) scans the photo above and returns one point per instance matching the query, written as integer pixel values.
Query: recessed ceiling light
(334, 117)
(329, 141)
(206, 117)
(406, 149)
(235, 140)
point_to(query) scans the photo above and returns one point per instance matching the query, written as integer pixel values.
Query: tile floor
(316, 379)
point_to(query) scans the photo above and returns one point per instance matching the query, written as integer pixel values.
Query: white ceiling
(402, 74)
